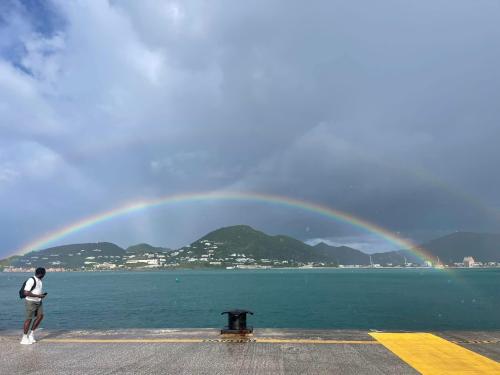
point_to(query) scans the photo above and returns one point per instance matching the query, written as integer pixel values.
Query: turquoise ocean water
(411, 299)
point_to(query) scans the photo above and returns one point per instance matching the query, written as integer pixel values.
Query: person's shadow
(51, 334)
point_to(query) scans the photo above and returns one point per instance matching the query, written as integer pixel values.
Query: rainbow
(140, 205)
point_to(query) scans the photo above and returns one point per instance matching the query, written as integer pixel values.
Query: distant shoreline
(251, 269)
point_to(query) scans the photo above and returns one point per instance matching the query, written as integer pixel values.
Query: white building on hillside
(469, 262)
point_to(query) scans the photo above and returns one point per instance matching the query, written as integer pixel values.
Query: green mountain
(242, 240)
(343, 254)
(69, 256)
(349, 256)
(450, 249)
(241, 244)
(8, 261)
(143, 248)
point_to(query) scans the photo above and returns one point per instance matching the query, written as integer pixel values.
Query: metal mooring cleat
(237, 322)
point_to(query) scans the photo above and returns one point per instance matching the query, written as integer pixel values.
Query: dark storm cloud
(386, 110)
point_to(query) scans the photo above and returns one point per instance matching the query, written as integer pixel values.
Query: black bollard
(237, 322)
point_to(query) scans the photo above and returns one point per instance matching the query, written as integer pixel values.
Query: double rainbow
(337, 215)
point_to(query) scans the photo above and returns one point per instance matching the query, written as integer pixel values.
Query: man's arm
(27, 293)
(29, 286)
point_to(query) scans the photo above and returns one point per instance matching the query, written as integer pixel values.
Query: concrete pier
(267, 351)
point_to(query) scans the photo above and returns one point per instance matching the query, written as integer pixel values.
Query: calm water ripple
(417, 299)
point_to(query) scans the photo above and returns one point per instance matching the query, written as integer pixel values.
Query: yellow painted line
(199, 340)
(121, 341)
(308, 341)
(430, 354)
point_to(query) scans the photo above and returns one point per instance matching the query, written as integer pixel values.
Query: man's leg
(26, 327)
(30, 313)
(38, 309)
(36, 323)
(38, 320)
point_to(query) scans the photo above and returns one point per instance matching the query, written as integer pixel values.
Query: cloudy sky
(388, 110)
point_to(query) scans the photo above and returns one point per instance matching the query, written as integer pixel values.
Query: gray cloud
(385, 110)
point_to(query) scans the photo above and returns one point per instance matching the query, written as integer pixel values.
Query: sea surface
(395, 299)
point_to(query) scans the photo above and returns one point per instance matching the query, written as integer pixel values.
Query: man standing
(34, 310)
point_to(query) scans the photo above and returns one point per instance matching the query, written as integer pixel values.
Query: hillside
(484, 247)
(396, 258)
(69, 256)
(244, 240)
(453, 248)
(143, 248)
(343, 254)
(241, 245)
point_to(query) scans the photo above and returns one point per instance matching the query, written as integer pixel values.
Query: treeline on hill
(243, 241)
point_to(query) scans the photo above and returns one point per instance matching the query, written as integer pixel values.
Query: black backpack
(21, 291)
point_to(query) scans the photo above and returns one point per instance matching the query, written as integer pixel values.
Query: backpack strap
(34, 284)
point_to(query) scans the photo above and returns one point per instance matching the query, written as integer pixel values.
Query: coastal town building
(469, 262)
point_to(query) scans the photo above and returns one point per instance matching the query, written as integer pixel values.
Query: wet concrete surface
(486, 343)
(267, 351)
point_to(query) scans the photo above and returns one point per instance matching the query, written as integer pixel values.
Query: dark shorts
(33, 309)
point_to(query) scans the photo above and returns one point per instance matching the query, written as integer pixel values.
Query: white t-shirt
(37, 290)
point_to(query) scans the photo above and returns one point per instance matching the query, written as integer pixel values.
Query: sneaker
(31, 337)
(26, 340)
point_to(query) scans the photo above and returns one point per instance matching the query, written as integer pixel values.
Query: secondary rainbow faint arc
(335, 214)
